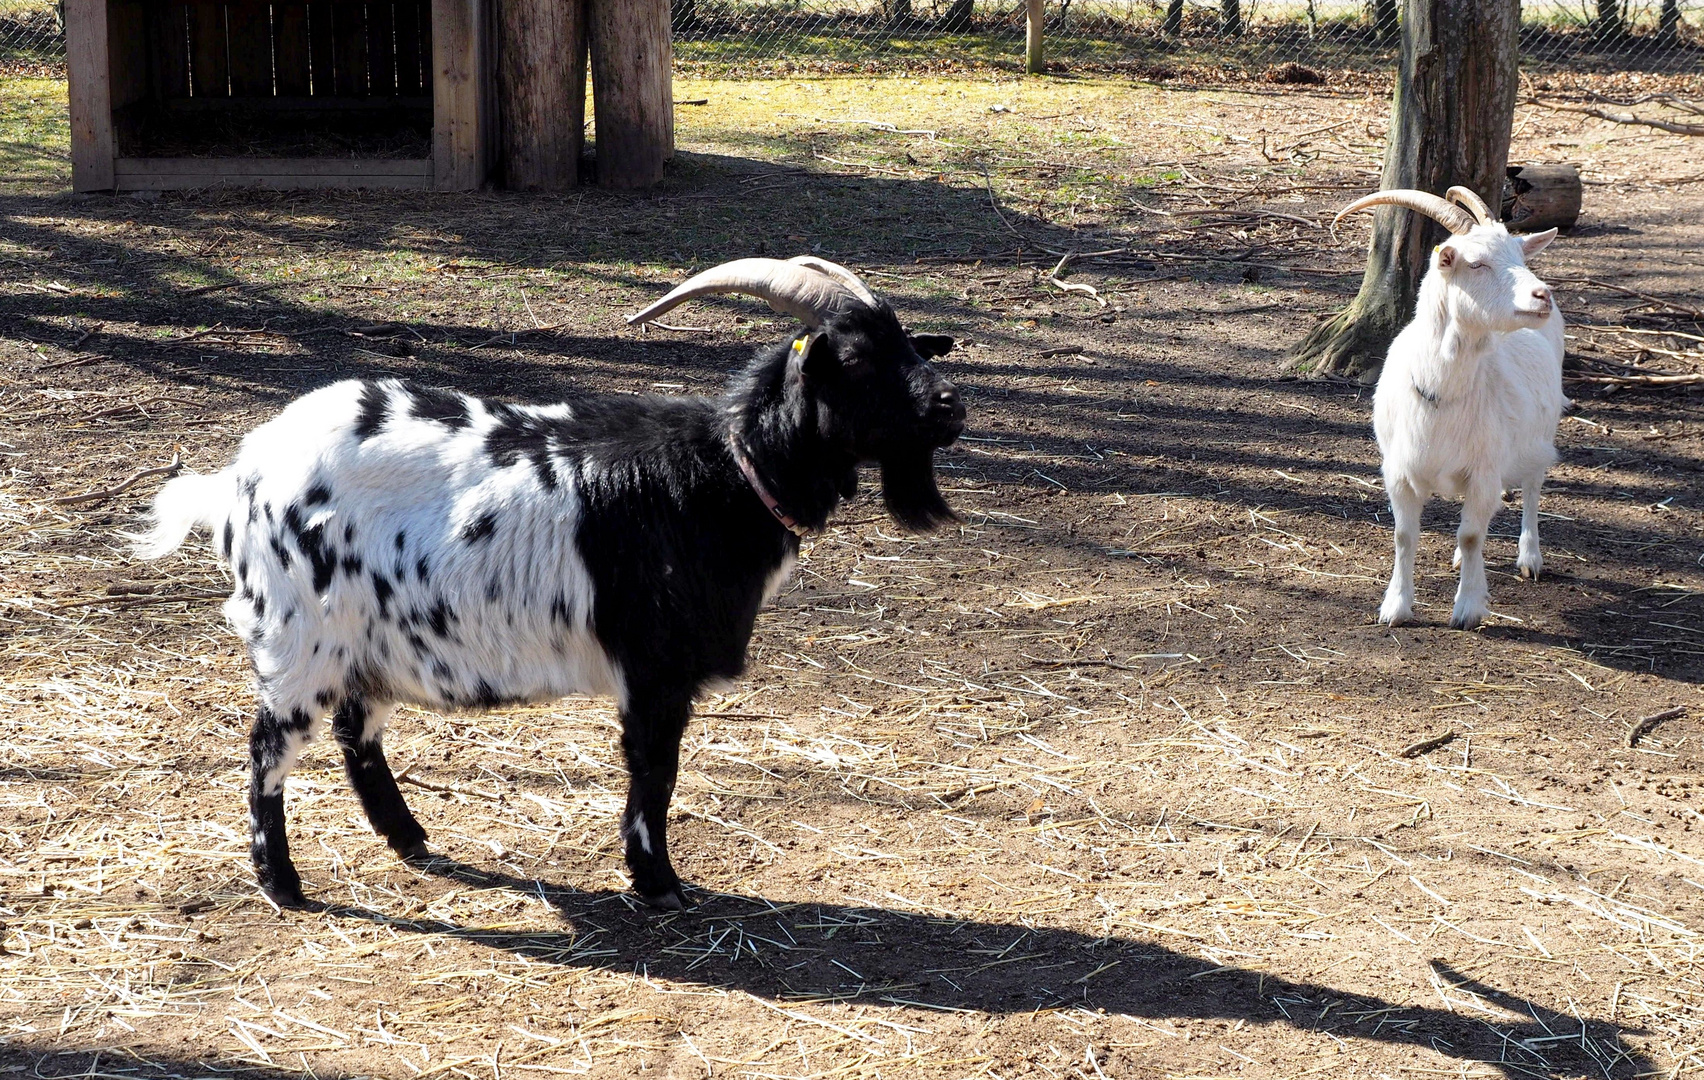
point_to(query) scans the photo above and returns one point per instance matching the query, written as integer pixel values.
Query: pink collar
(762, 492)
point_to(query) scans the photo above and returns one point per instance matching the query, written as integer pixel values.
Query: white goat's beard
(909, 491)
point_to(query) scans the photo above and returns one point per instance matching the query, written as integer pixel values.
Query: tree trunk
(1035, 18)
(1230, 18)
(959, 15)
(541, 92)
(1385, 21)
(1450, 122)
(1609, 22)
(632, 90)
(1173, 26)
(1668, 23)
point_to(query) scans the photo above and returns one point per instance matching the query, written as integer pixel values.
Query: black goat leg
(274, 744)
(359, 727)
(651, 730)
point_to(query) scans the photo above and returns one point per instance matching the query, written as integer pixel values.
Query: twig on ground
(1427, 745)
(1623, 118)
(169, 469)
(1644, 726)
(1071, 286)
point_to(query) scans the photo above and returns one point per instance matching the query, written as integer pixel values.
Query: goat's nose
(947, 401)
(1542, 295)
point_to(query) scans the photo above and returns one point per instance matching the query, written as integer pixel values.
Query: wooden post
(541, 92)
(632, 90)
(1034, 18)
(460, 94)
(91, 95)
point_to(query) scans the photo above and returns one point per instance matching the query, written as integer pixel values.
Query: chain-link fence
(32, 34)
(1281, 40)
(1273, 38)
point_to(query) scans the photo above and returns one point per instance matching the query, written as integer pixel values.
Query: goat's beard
(908, 489)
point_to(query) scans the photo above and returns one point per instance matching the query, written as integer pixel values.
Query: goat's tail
(189, 501)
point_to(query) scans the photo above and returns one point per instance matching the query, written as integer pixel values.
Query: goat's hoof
(665, 901)
(1466, 620)
(416, 853)
(1395, 613)
(288, 899)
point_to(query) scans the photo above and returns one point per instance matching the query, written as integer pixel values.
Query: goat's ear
(1537, 242)
(1446, 256)
(929, 346)
(813, 355)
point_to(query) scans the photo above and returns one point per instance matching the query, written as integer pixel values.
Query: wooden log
(461, 94)
(632, 90)
(1539, 197)
(169, 174)
(541, 92)
(92, 145)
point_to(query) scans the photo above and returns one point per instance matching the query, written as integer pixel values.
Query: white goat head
(1489, 285)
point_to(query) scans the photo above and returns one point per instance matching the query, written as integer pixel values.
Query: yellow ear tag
(801, 343)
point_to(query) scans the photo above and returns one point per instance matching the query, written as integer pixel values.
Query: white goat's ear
(1537, 242)
(1446, 256)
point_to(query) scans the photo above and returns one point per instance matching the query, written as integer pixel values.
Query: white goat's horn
(1453, 218)
(807, 293)
(844, 276)
(1470, 199)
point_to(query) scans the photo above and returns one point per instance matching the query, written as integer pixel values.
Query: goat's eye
(1475, 266)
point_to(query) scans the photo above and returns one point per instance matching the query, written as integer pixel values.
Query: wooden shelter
(445, 95)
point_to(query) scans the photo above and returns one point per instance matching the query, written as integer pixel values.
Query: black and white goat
(1470, 394)
(395, 543)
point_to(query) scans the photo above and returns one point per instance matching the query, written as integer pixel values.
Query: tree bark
(1385, 20)
(1035, 20)
(1610, 21)
(1173, 24)
(632, 90)
(541, 92)
(1450, 123)
(960, 15)
(1230, 18)
(1668, 23)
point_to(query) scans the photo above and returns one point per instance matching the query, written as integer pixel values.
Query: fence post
(1034, 63)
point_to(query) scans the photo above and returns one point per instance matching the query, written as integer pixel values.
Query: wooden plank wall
(304, 49)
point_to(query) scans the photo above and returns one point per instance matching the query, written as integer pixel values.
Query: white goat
(1470, 395)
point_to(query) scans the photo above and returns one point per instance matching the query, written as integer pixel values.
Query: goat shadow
(886, 957)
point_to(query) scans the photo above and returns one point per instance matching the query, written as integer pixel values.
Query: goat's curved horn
(1453, 218)
(1470, 199)
(839, 273)
(806, 293)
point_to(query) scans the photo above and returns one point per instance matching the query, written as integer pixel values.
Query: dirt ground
(1107, 781)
